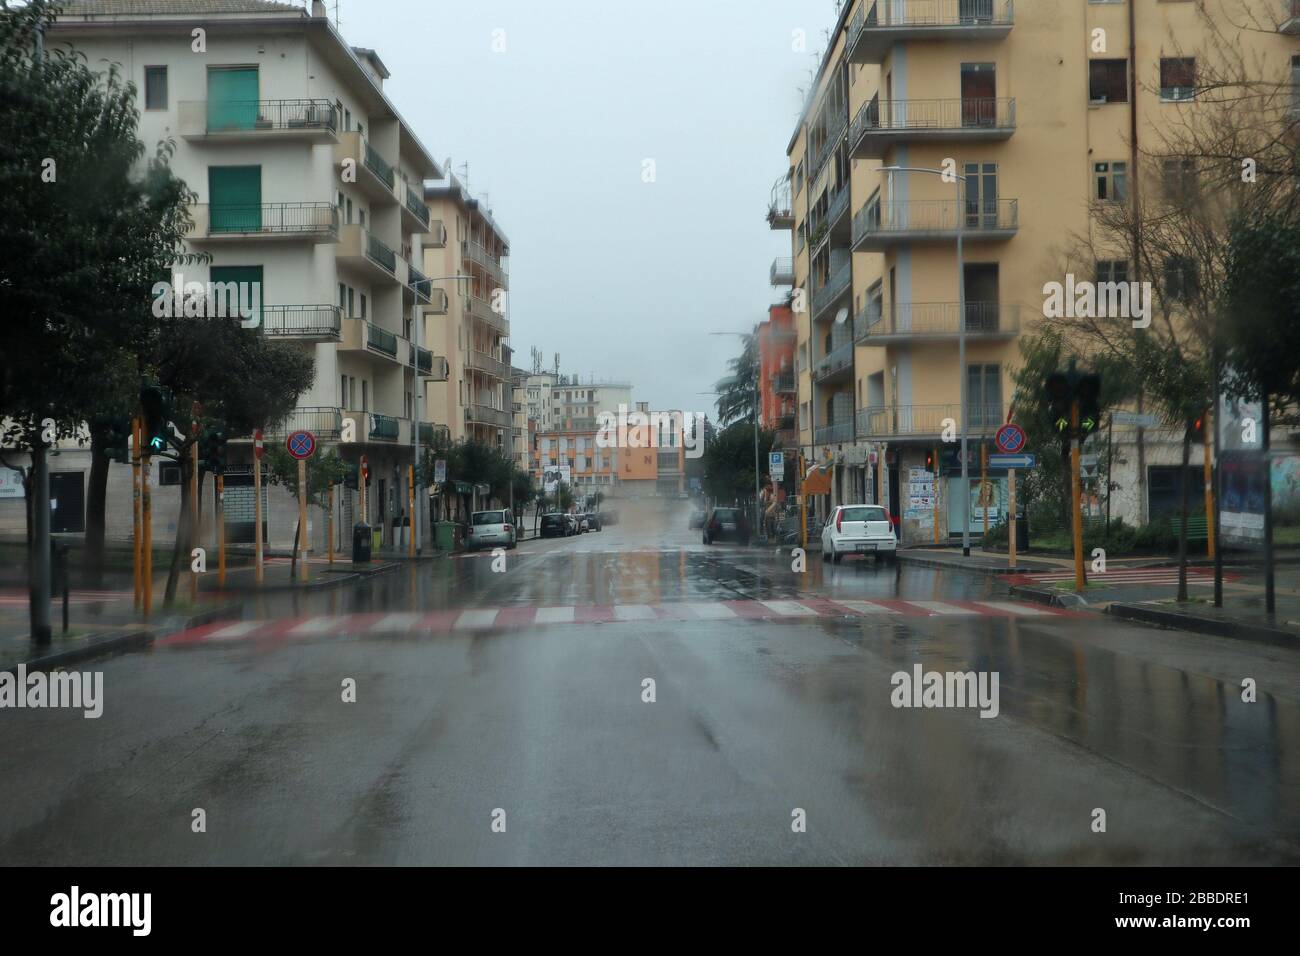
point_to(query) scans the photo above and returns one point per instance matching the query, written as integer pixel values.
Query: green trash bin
(377, 541)
(445, 535)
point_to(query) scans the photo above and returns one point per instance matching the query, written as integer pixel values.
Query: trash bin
(360, 543)
(445, 535)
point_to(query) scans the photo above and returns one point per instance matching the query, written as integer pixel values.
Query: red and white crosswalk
(1124, 577)
(516, 618)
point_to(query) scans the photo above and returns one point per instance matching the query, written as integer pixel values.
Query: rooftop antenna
(464, 167)
(338, 20)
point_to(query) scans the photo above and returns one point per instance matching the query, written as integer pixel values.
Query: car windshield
(489, 517)
(551, 520)
(725, 514)
(865, 514)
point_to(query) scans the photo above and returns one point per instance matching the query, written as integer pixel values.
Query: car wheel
(836, 557)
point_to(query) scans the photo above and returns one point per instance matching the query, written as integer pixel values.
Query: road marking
(1023, 610)
(938, 607)
(634, 612)
(554, 615)
(316, 625)
(232, 631)
(788, 608)
(470, 620)
(400, 623)
(866, 607)
(710, 612)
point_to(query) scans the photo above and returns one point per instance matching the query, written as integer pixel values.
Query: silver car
(491, 529)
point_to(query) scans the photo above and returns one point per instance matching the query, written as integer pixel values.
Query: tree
(524, 491)
(729, 461)
(85, 229)
(737, 394)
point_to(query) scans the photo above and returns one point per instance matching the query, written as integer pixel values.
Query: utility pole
(41, 584)
(136, 518)
(1076, 517)
(1209, 486)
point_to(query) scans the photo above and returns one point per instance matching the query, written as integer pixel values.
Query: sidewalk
(979, 562)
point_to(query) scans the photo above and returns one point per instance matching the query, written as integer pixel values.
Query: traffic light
(1196, 428)
(929, 461)
(1059, 396)
(350, 473)
(116, 436)
(212, 448)
(156, 405)
(1088, 392)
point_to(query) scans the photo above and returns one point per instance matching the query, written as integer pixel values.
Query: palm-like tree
(737, 392)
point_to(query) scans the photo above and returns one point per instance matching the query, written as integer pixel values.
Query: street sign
(301, 444)
(1133, 418)
(1087, 466)
(440, 471)
(258, 448)
(1012, 461)
(1010, 439)
(776, 465)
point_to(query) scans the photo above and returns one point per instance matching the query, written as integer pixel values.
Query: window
(1112, 181)
(1179, 180)
(1107, 81)
(365, 395)
(343, 296)
(348, 219)
(1177, 78)
(1181, 282)
(155, 87)
(351, 302)
(363, 305)
(347, 120)
(984, 395)
(343, 391)
(1112, 270)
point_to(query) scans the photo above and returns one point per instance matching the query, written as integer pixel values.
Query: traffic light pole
(146, 543)
(1209, 486)
(220, 509)
(1076, 515)
(257, 518)
(41, 586)
(194, 512)
(136, 535)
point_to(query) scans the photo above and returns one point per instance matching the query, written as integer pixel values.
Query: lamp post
(419, 396)
(961, 340)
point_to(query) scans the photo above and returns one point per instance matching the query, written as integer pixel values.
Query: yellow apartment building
(1034, 104)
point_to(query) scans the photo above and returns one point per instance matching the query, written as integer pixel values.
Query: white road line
(866, 607)
(710, 612)
(938, 607)
(1023, 610)
(395, 623)
(553, 615)
(634, 612)
(476, 619)
(789, 608)
(316, 625)
(241, 629)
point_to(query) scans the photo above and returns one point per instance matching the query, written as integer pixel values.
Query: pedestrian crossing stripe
(521, 617)
(1196, 577)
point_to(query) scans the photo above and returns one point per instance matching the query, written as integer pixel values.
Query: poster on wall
(1241, 510)
(11, 483)
(553, 475)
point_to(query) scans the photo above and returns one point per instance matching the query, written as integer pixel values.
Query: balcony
(384, 428)
(415, 213)
(374, 175)
(437, 237)
(479, 309)
(926, 421)
(780, 212)
(1290, 23)
(834, 133)
(381, 340)
(485, 363)
(783, 423)
(247, 121)
(835, 365)
(783, 383)
(266, 222)
(782, 271)
(887, 22)
(476, 414)
(319, 323)
(936, 321)
(476, 252)
(879, 127)
(324, 422)
(417, 286)
(830, 291)
(428, 365)
(835, 434)
(431, 434)
(881, 225)
(438, 302)
(361, 250)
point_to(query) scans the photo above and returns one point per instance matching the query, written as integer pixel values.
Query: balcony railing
(836, 360)
(834, 133)
(487, 415)
(479, 309)
(302, 321)
(878, 221)
(832, 288)
(780, 213)
(384, 427)
(870, 34)
(381, 340)
(483, 362)
(431, 434)
(879, 125)
(833, 434)
(782, 271)
(784, 423)
(378, 165)
(381, 253)
(783, 383)
(323, 422)
(419, 284)
(283, 219)
(238, 116)
(437, 238)
(937, 320)
(884, 421)
(412, 199)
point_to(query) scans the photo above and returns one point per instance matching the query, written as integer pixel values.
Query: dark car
(593, 521)
(609, 518)
(726, 524)
(556, 526)
(696, 519)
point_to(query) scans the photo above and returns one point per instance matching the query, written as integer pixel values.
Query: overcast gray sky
(624, 279)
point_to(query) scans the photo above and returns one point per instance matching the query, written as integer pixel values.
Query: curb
(343, 579)
(1235, 630)
(905, 558)
(1049, 597)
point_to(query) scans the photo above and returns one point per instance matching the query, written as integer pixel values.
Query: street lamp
(758, 372)
(961, 339)
(419, 396)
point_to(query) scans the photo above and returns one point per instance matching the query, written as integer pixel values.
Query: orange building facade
(777, 385)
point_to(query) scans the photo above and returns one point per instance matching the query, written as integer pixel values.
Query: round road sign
(1010, 439)
(301, 444)
(258, 449)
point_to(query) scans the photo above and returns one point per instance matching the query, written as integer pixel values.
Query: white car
(491, 529)
(859, 529)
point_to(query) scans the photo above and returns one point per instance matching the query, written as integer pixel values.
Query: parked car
(859, 529)
(491, 529)
(571, 522)
(555, 525)
(582, 522)
(593, 521)
(726, 524)
(697, 519)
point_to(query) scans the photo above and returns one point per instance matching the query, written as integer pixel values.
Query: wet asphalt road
(752, 720)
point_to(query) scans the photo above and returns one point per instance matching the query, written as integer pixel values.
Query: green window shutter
(232, 99)
(242, 274)
(235, 198)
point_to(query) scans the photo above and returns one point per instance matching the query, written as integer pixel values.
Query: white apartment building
(310, 182)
